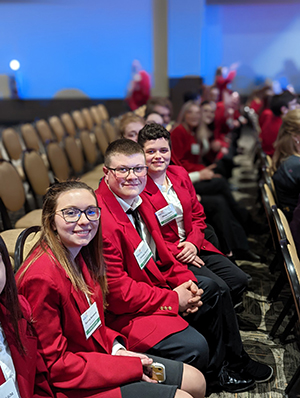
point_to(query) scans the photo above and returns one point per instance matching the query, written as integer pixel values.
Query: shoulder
(177, 171)
(44, 268)
(178, 129)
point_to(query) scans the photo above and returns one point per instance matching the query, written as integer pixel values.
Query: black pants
(231, 279)
(229, 230)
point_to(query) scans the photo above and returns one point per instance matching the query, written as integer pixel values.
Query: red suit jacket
(30, 368)
(193, 213)
(270, 125)
(78, 367)
(142, 304)
(182, 141)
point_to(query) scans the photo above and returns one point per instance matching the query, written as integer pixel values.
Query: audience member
(22, 371)
(139, 88)
(130, 125)
(149, 289)
(286, 161)
(271, 119)
(224, 213)
(154, 117)
(64, 280)
(162, 106)
(181, 216)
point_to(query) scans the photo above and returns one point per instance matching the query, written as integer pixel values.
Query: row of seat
(36, 154)
(285, 258)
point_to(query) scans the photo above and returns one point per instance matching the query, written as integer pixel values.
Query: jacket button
(170, 308)
(203, 247)
(166, 307)
(162, 308)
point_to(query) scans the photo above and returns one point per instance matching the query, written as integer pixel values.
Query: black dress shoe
(247, 255)
(232, 381)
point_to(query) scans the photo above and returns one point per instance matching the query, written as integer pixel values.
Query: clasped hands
(189, 297)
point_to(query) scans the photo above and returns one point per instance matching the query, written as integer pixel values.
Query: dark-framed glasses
(121, 171)
(73, 214)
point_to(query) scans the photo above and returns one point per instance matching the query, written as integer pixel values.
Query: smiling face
(192, 117)
(207, 114)
(78, 234)
(158, 155)
(127, 188)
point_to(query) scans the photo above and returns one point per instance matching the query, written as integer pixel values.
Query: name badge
(90, 320)
(166, 214)
(8, 390)
(195, 149)
(142, 254)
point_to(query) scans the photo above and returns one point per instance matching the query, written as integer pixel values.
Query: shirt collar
(162, 188)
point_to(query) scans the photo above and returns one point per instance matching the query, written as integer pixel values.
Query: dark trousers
(230, 278)
(229, 230)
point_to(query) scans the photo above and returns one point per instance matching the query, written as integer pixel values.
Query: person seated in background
(22, 370)
(162, 106)
(149, 289)
(270, 120)
(286, 163)
(130, 125)
(214, 150)
(154, 117)
(181, 217)
(64, 280)
(226, 216)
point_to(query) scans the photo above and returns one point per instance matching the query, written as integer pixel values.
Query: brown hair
(128, 118)
(92, 253)
(9, 296)
(161, 101)
(284, 144)
(122, 146)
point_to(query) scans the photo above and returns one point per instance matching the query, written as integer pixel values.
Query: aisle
(259, 315)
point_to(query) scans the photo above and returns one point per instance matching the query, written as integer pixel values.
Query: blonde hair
(284, 144)
(49, 239)
(128, 118)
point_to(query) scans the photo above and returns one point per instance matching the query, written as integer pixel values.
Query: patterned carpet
(259, 315)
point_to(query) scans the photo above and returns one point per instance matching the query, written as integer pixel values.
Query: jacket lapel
(122, 219)
(158, 202)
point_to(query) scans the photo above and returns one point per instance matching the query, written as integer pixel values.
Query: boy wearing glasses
(154, 300)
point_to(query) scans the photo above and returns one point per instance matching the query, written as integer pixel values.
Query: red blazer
(270, 125)
(182, 141)
(78, 367)
(30, 368)
(193, 212)
(142, 304)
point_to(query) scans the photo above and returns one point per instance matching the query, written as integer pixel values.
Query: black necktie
(137, 221)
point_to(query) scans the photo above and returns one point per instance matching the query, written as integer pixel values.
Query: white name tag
(8, 390)
(142, 254)
(195, 149)
(90, 320)
(166, 214)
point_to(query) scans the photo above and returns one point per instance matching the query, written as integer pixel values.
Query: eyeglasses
(123, 172)
(72, 214)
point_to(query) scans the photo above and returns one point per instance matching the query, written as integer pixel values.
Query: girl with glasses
(64, 280)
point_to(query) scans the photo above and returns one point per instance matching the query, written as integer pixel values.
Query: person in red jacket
(22, 371)
(271, 119)
(170, 187)
(64, 280)
(153, 298)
